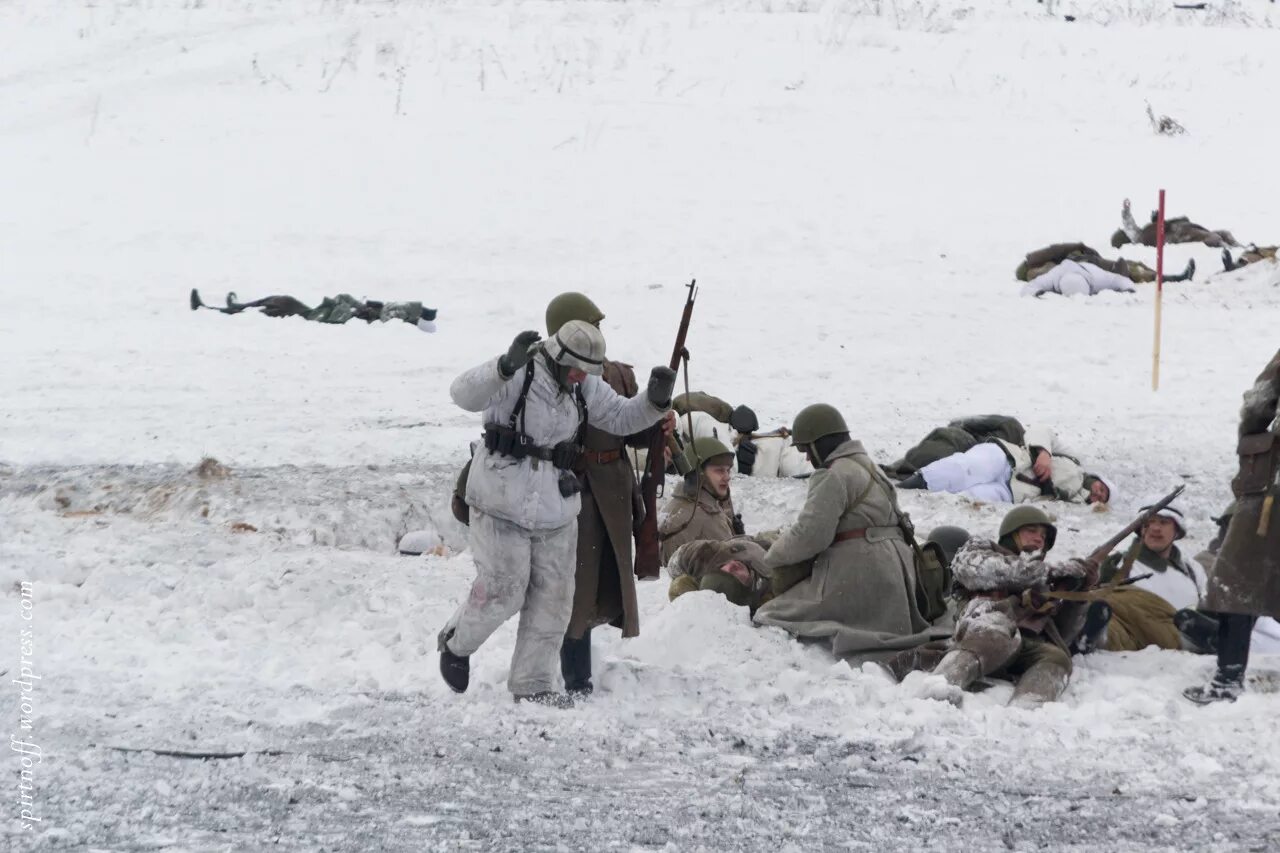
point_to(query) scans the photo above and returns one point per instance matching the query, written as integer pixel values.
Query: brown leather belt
(601, 457)
(861, 533)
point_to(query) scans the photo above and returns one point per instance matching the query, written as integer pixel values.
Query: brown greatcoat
(693, 513)
(605, 588)
(1245, 577)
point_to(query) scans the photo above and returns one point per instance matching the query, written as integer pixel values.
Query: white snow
(852, 184)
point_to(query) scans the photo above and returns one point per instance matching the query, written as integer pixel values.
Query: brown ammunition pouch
(1257, 464)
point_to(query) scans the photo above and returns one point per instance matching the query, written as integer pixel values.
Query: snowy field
(852, 183)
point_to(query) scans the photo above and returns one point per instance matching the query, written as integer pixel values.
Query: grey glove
(517, 355)
(662, 381)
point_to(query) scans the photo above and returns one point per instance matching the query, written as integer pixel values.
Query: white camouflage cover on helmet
(578, 344)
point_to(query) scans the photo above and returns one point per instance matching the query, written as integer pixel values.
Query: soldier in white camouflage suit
(524, 497)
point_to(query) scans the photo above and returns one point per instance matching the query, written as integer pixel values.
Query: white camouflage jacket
(1068, 476)
(526, 492)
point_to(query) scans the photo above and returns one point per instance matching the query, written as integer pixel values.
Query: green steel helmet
(728, 586)
(705, 448)
(816, 421)
(947, 539)
(571, 306)
(577, 344)
(1021, 516)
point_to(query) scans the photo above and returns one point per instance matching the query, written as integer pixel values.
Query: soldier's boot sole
(561, 701)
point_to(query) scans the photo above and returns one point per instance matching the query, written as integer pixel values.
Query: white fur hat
(1173, 512)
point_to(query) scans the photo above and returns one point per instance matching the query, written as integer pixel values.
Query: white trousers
(982, 472)
(524, 571)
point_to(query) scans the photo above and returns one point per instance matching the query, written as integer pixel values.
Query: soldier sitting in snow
(1009, 625)
(700, 507)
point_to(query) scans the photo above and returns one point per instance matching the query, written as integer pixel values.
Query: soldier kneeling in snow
(1009, 624)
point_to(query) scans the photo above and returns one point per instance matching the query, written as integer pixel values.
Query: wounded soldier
(1001, 469)
(1041, 261)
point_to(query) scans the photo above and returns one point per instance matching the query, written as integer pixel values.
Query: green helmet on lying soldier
(816, 421)
(1026, 516)
(727, 585)
(571, 306)
(946, 540)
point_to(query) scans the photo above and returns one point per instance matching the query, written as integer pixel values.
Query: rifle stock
(1104, 550)
(648, 558)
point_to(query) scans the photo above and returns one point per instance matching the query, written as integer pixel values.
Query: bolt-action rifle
(647, 553)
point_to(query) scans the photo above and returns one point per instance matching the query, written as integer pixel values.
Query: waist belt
(509, 442)
(601, 457)
(861, 533)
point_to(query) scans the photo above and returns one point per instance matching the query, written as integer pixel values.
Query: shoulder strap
(1126, 564)
(581, 401)
(517, 413)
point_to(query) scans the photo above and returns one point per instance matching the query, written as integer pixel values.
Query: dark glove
(517, 355)
(738, 527)
(744, 420)
(746, 456)
(662, 381)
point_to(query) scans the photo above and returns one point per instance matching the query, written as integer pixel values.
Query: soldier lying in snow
(1179, 229)
(1008, 625)
(336, 310)
(734, 568)
(1251, 255)
(758, 454)
(1001, 469)
(1041, 261)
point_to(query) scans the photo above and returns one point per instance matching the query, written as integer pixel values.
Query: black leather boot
(575, 664)
(456, 669)
(915, 481)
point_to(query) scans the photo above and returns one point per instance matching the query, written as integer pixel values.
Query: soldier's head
(946, 541)
(1026, 529)
(575, 350)
(1100, 490)
(1162, 529)
(714, 460)
(1119, 239)
(727, 585)
(818, 430)
(571, 306)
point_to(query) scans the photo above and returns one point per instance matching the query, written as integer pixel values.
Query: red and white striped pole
(1155, 354)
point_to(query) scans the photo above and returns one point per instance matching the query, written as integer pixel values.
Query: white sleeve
(482, 386)
(613, 413)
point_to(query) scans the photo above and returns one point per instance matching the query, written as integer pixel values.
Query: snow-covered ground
(852, 184)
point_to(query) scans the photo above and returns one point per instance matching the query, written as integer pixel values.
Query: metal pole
(1155, 352)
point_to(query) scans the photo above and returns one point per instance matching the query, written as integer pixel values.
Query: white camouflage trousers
(982, 472)
(525, 571)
